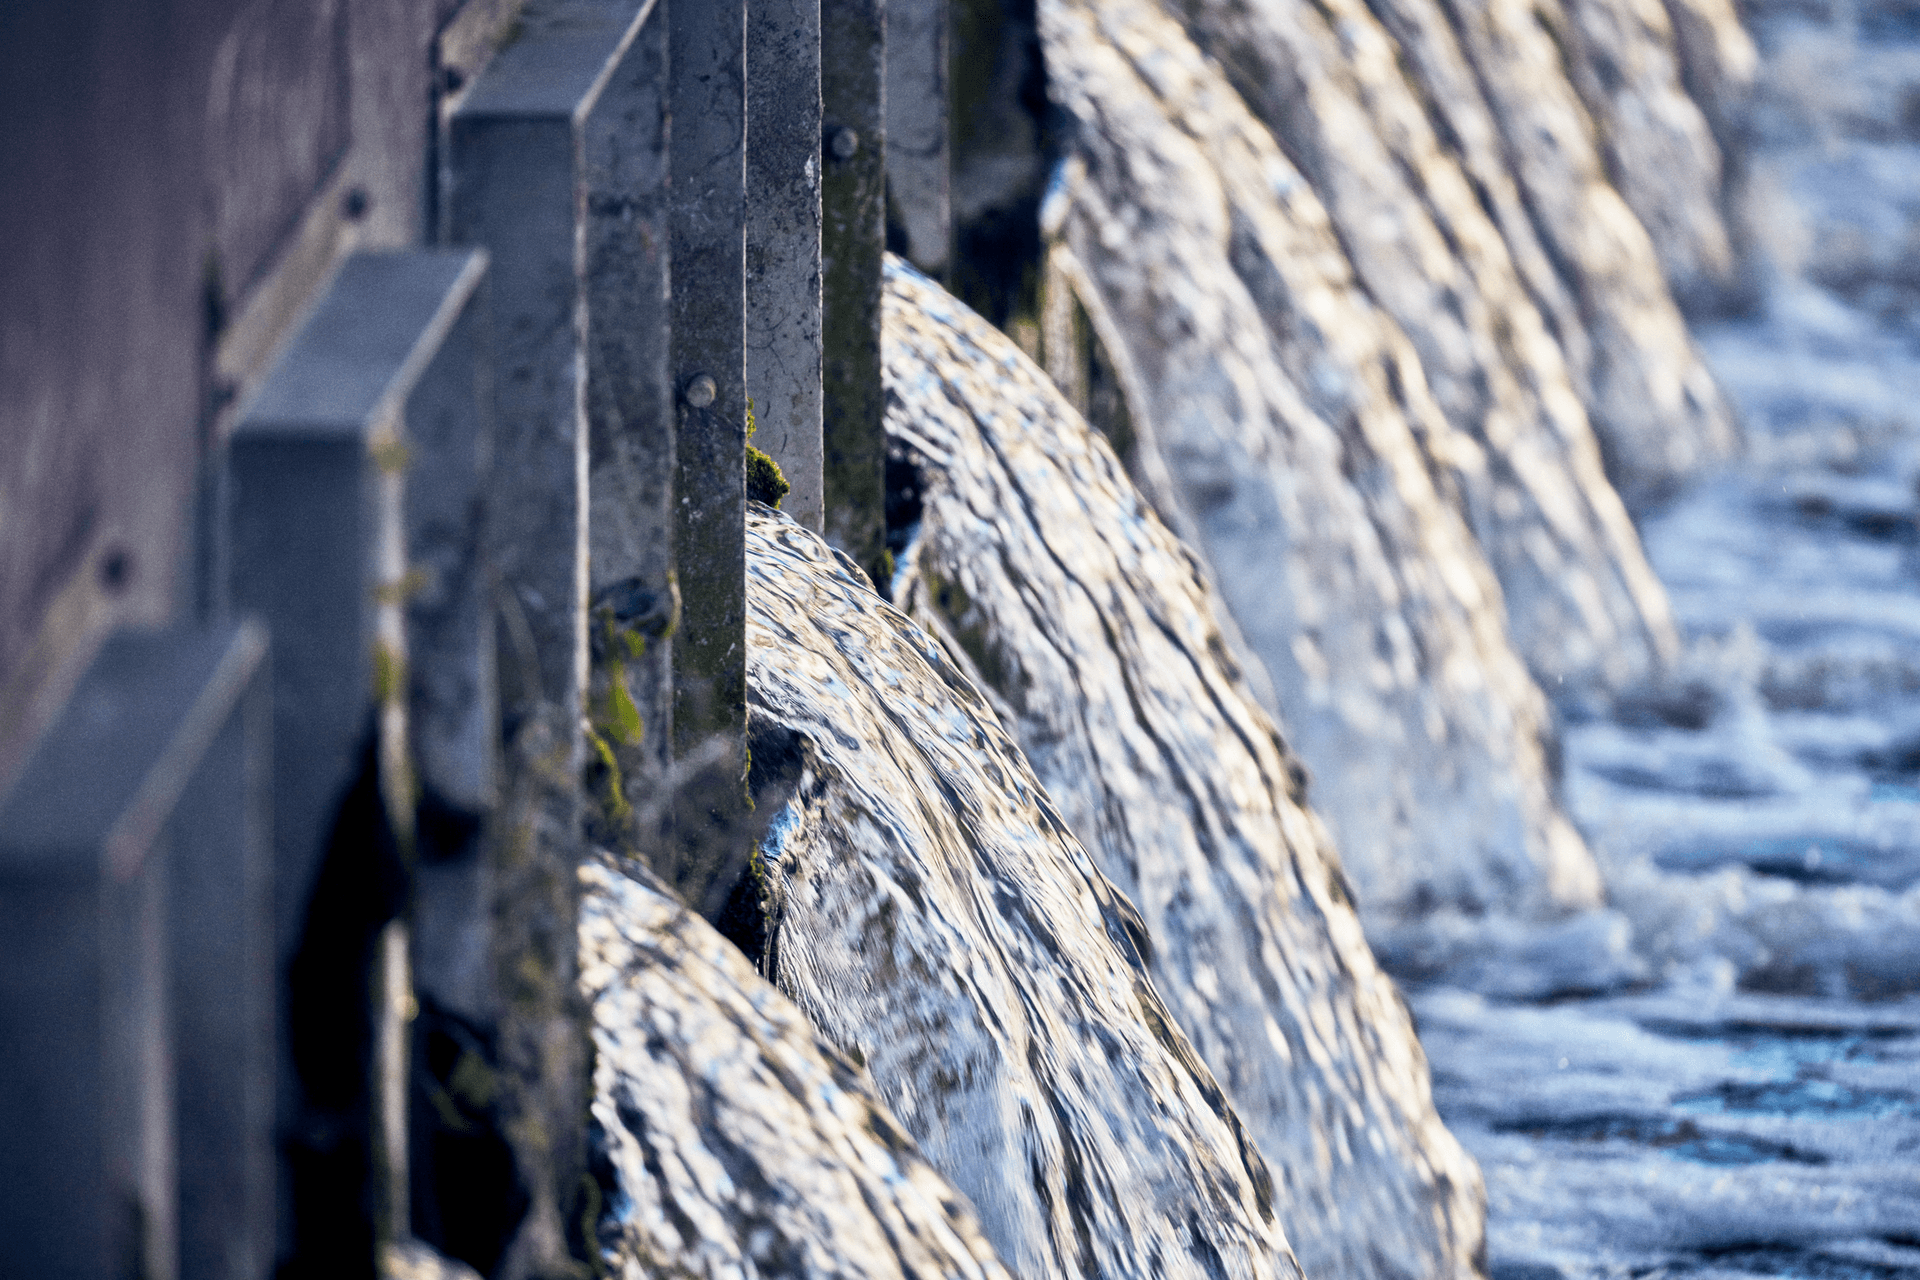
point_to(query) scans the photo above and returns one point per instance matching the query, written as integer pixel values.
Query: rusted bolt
(701, 391)
(845, 144)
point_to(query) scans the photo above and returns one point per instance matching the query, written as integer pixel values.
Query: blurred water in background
(1756, 816)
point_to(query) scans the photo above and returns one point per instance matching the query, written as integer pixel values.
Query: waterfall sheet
(736, 1140)
(936, 919)
(1088, 625)
(1288, 435)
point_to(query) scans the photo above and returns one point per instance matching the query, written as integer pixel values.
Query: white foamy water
(1755, 1109)
(1697, 1053)
(1086, 623)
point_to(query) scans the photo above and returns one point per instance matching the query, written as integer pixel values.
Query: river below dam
(1756, 1112)
(1758, 822)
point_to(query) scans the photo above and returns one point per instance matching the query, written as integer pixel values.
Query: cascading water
(1758, 1113)
(1381, 284)
(1288, 434)
(1084, 621)
(738, 1141)
(928, 909)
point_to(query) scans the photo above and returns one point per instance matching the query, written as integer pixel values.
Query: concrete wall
(180, 174)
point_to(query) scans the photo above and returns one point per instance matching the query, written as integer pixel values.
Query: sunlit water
(1756, 1110)
(1718, 1076)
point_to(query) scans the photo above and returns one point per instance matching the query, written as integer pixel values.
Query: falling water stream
(1075, 827)
(1755, 1110)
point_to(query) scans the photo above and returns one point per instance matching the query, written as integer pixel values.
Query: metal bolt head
(116, 570)
(844, 144)
(702, 391)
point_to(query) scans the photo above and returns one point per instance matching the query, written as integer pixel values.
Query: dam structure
(975, 638)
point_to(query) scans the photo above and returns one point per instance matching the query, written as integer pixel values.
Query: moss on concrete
(765, 481)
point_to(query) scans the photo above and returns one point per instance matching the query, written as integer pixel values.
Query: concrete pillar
(323, 550)
(136, 985)
(918, 172)
(514, 162)
(783, 245)
(853, 36)
(707, 84)
(554, 163)
(631, 589)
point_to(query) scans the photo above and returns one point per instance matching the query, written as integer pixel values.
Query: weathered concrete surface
(630, 587)
(1285, 432)
(513, 178)
(324, 549)
(853, 47)
(919, 170)
(135, 293)
(707, 63)
(783, 246)
(706, 59)
(321, 543)
(929, 911)
(1085, 622)
(1582, 604)
(735, 1135)
(552, 155)
(138, 984)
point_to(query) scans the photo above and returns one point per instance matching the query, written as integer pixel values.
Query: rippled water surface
(937, 921)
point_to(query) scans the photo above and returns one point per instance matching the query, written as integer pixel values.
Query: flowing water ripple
(936, 919)
(737, 1141)
(1086, 623)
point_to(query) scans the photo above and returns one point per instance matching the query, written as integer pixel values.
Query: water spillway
(1085, 623)
(1064, 877)
(1288, 434)
(928, 909)
(1395, 635)
(1754, 1111)
(736, 1136)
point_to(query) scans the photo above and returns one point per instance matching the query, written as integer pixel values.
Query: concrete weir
(872, 638)
(455, 404)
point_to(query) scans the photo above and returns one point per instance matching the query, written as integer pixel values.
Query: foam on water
(1754, 815)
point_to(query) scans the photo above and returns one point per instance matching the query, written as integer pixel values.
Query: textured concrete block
(555, 164)
(630, 409)
(354, 501)
(918, 169)
(137, 983)
(324, 464)
(853, 35)
(707, 68)
(783, 245)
